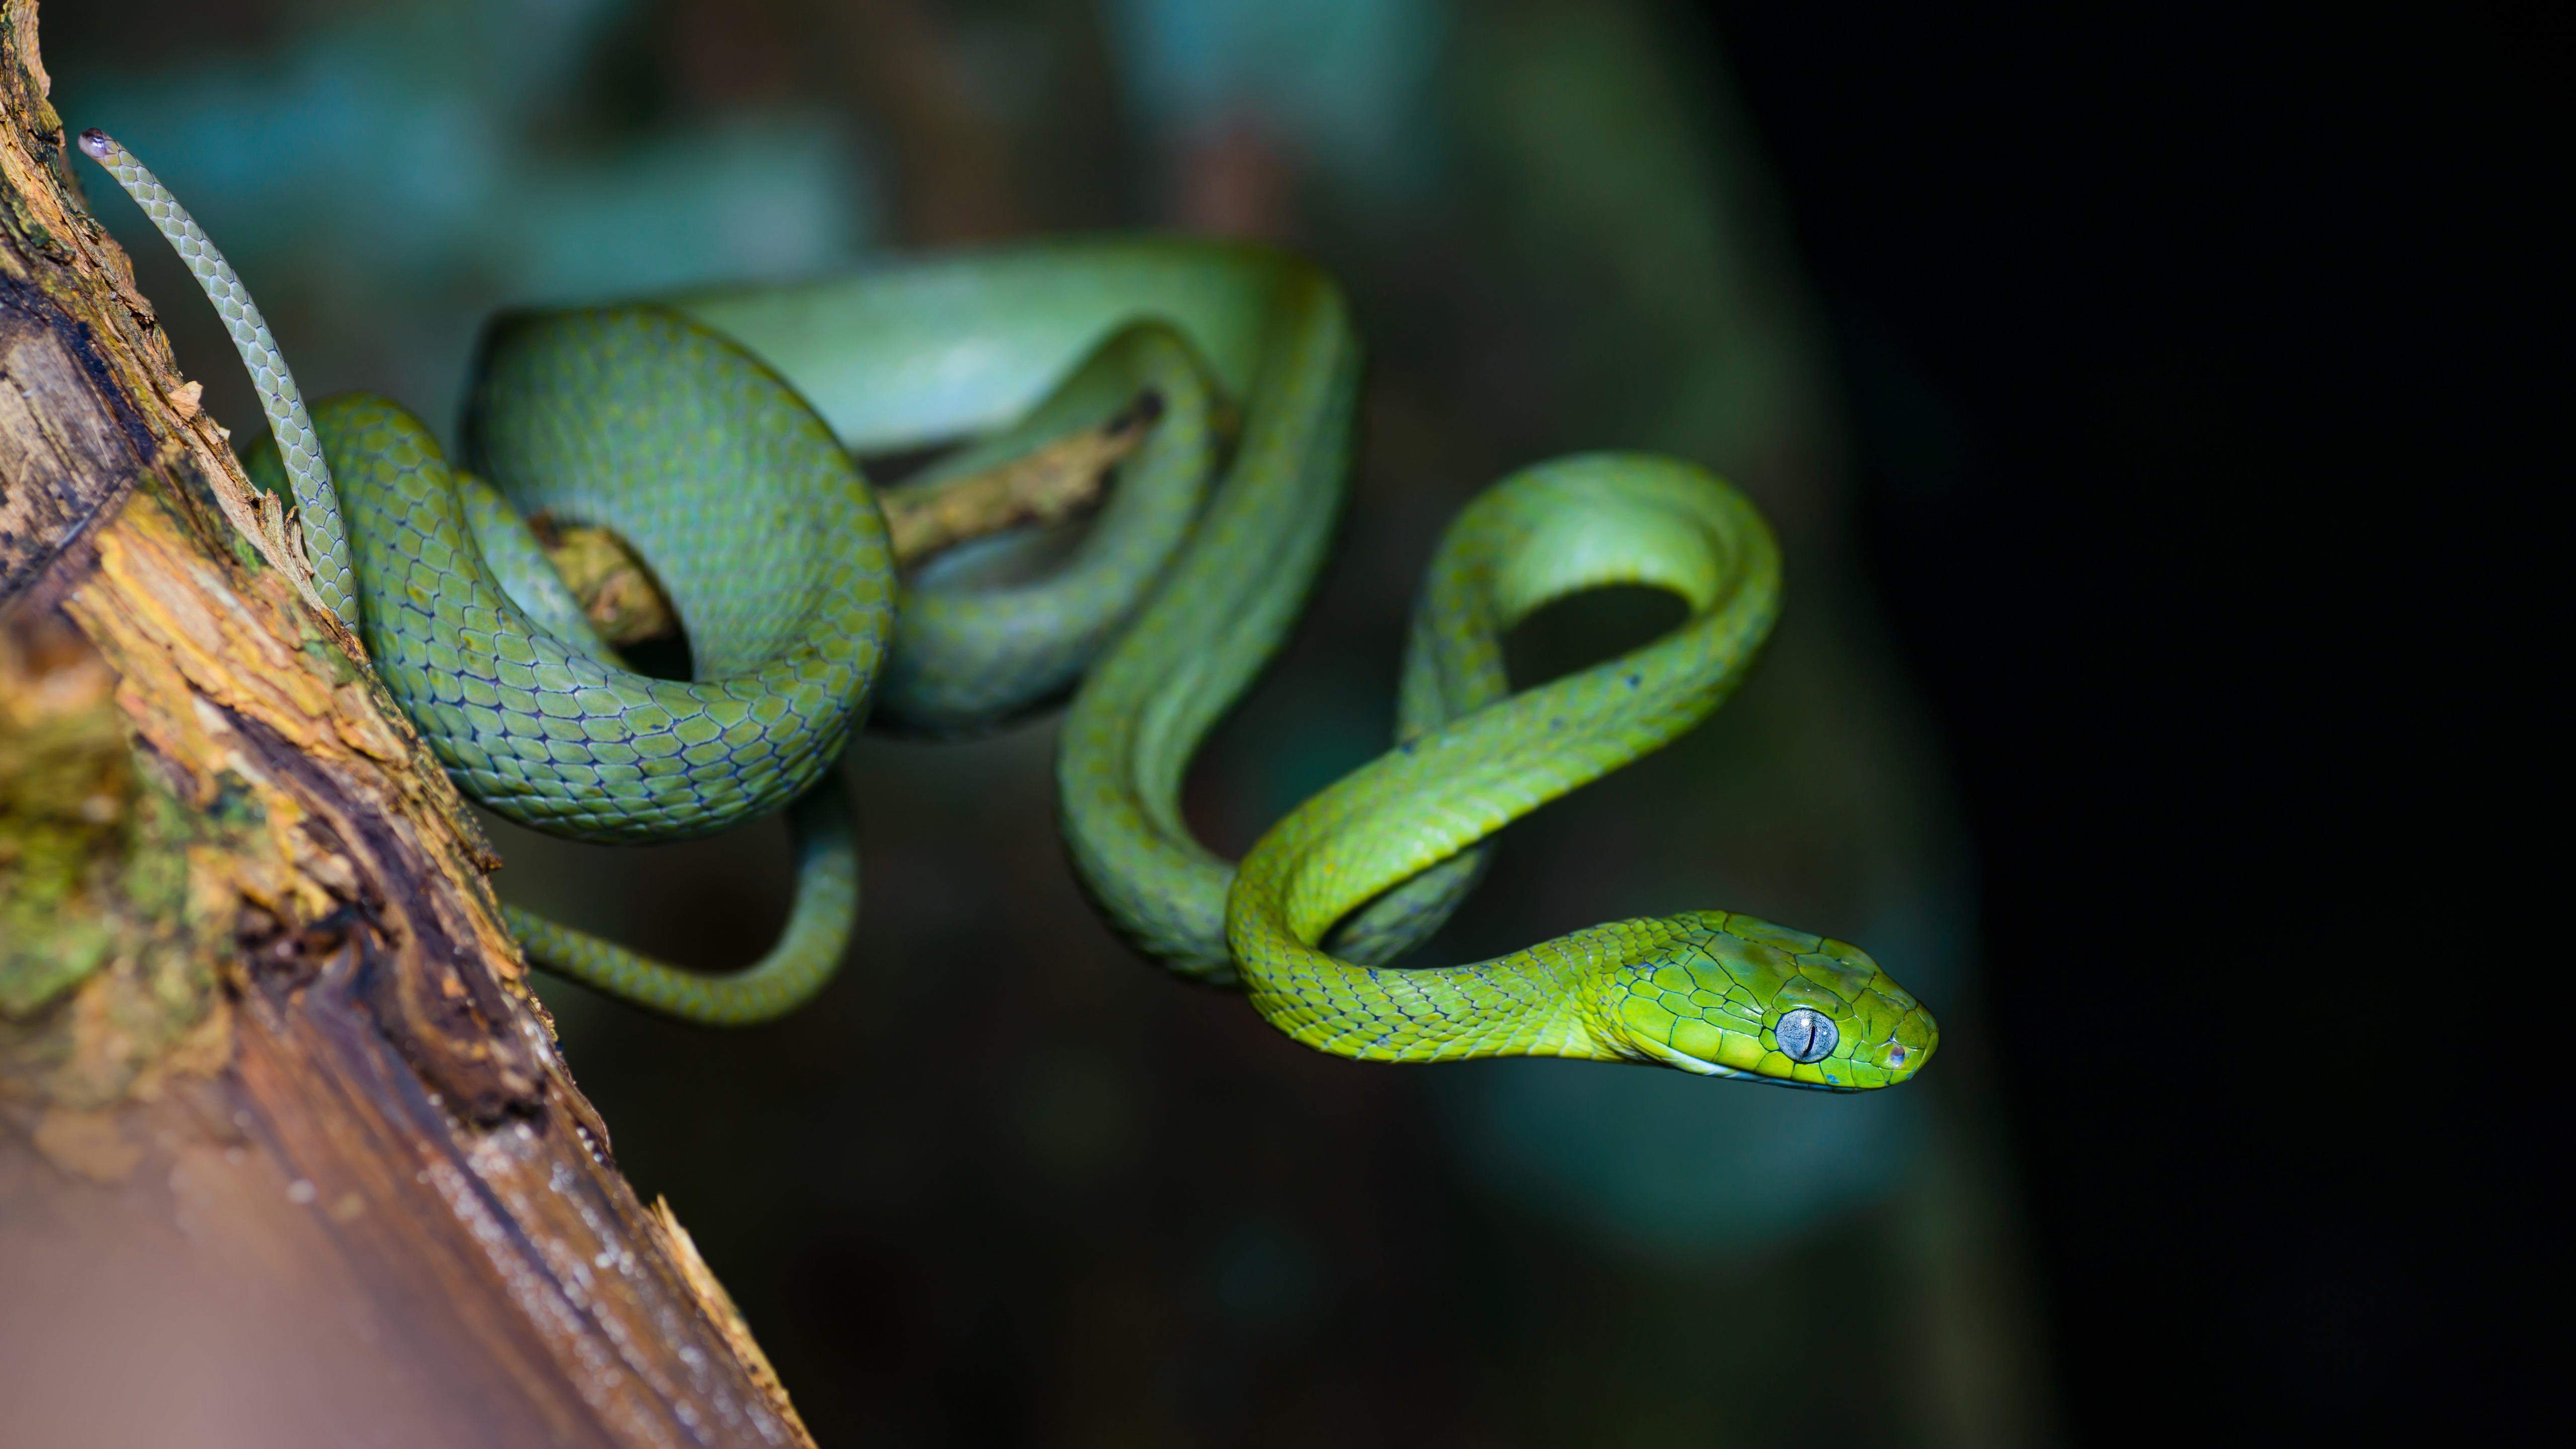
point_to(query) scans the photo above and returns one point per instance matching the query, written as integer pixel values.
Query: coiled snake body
(716, 434)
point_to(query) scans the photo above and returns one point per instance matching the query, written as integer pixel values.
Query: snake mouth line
(1659, 1054)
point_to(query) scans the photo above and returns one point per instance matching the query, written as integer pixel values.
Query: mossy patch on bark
(99, 972)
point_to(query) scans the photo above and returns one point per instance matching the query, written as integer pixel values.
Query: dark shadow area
(2195, 358)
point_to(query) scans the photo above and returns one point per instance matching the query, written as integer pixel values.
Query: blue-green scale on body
(715, 434)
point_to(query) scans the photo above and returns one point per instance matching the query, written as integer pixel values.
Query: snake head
(1729, 995)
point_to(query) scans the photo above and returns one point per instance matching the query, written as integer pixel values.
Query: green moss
(65, 791)
(43, 964)
(235, 809)
(330, 656)
(94, 898)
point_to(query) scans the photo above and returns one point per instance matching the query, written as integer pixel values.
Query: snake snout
(1903, 1051)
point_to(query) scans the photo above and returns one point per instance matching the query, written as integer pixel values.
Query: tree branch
(278, 1114)
(1049, 484)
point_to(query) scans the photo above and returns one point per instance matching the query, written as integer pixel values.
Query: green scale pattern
(715, 433)
(1703, 991)
(808, 952)
(535, 726)
(325, 544)
(976, 647)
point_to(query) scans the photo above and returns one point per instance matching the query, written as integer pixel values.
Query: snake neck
(1539, 1002)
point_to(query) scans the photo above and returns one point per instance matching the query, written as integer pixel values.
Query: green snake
(717, 434)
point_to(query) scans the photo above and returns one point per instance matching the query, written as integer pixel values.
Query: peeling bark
(286, 1151)
(1048, 485)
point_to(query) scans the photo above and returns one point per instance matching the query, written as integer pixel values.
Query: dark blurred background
(2130, 395)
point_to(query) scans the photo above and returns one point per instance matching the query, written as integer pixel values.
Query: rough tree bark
(287, 1154)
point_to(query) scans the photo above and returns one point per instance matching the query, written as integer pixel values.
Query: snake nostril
(1806, 1035)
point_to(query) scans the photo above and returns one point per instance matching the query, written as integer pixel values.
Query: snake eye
(1806, 1035)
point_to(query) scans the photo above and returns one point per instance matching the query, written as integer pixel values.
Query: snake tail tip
(97, 143)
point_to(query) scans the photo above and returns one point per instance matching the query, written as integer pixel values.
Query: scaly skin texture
(808, 952)
(1704, 992)
(325, 540)
(700, 454)
(714, 432)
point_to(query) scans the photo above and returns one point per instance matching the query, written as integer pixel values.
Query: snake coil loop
(716, 432)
